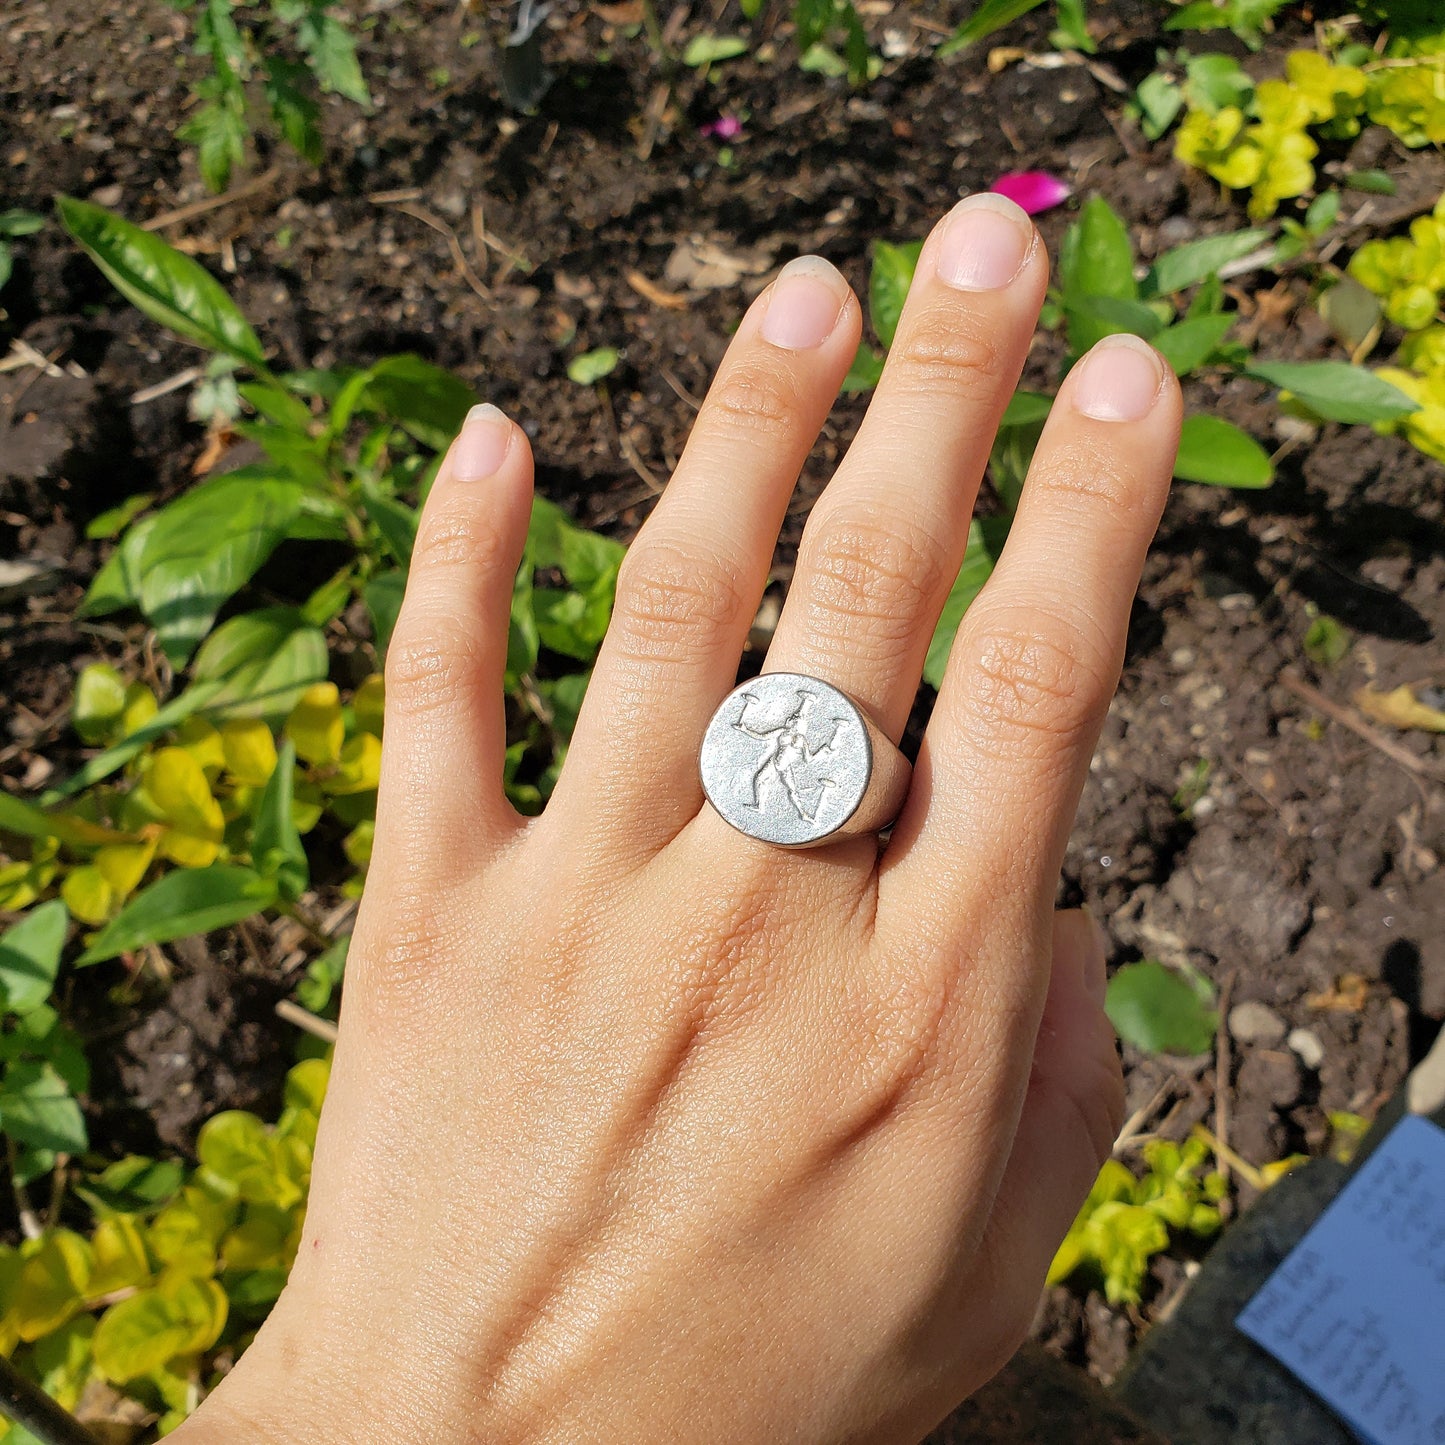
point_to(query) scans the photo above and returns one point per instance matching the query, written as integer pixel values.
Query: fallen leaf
(702, 265)
(218, 443)
(628, 13)
(654, 293)
(1347, 995)
(1399, 708)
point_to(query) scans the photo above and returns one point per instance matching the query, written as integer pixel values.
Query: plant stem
(655, 38)
(33, 1410)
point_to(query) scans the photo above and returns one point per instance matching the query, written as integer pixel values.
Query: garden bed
(1230, 821)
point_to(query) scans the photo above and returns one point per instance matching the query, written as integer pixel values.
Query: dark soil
(1298, 868)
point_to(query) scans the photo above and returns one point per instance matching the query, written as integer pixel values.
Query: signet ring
(790, 760)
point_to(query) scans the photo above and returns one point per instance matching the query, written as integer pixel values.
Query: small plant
(1163, 1010)
(295, 49)
(1102, 291)
(1248, 20)
(14, 224)
(178, 1270)
(1070, 32)
(1265, 137)
(1126, 1221)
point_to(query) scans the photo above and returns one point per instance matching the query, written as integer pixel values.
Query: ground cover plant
(195, 739)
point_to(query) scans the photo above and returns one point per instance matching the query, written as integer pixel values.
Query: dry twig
(1357, 725)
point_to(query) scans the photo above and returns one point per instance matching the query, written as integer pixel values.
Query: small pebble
(1255, 1023)
(1307, 1047)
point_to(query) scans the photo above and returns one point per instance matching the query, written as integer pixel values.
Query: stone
(1307, 1047)
(1273, 1075)
(1252, 1022)
(1037, 1399)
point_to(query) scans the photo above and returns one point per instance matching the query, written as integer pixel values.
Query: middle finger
(886, 539)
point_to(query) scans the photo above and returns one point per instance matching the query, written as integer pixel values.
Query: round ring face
(786, 759)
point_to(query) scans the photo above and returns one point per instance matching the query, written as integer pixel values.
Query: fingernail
(986, 240)
(482, 446)
(1096, 966)
(804, 304)
(1118, 380)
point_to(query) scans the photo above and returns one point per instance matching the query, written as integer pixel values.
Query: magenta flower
(1035, 191)
(724, 128)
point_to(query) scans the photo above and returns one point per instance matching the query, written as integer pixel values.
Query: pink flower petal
(1035, 191)
(725, 127)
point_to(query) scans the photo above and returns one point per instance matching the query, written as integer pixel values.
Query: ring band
(790, 760)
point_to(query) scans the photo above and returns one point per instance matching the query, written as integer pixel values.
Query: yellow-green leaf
(99, 702)
(87, 894)
(52, 1285)
(250, 751)
(316, 725)
(119, 1256)
(179, 1316)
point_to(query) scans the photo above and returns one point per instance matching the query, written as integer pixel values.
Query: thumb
(1071, 1113)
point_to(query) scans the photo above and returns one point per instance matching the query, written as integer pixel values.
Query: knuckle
(861, 566)
(754, 398)
(430, 665)
(947, 349)
(1084, 471)
(672, 599)
(461, 536)
(1034, 684)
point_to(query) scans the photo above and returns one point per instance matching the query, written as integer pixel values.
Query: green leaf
(15, 222)
(1187, 345)
(1216, 451)
(218, 131)
(24, 819)
(278, 406)
(323, 974)
(205, 545)
(1160, 1010)
(133, 1185)
(276, 844)
(426, 401)
(30, 957)
(1327, 641)
(98, 704)
(1091, 318)
(1025, 408)
(888, 283)
(1196, 261)
(1323, 211)
(180, 904)
(114, 520)
(259, 664)
(1097, 258)
(985, 542)
(117, 584)
(865, 371)
(1215, 81)
(713, 49)
(1159, 100)
(1336, 390)
(523, 639)
(36, 1108)
(169, 287)
(296, 113)
(592, 366)
(991, 15)
(1374, 183)
(1071, 31)
(396, 522)
(382, 595)
(332, 52)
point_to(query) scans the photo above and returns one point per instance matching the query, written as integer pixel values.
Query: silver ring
(790, 760)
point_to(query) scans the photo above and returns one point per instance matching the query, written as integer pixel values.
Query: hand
(640, 1130)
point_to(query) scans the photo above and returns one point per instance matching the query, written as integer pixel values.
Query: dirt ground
(1298, 866)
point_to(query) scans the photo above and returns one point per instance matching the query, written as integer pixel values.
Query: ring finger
(886, 539)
